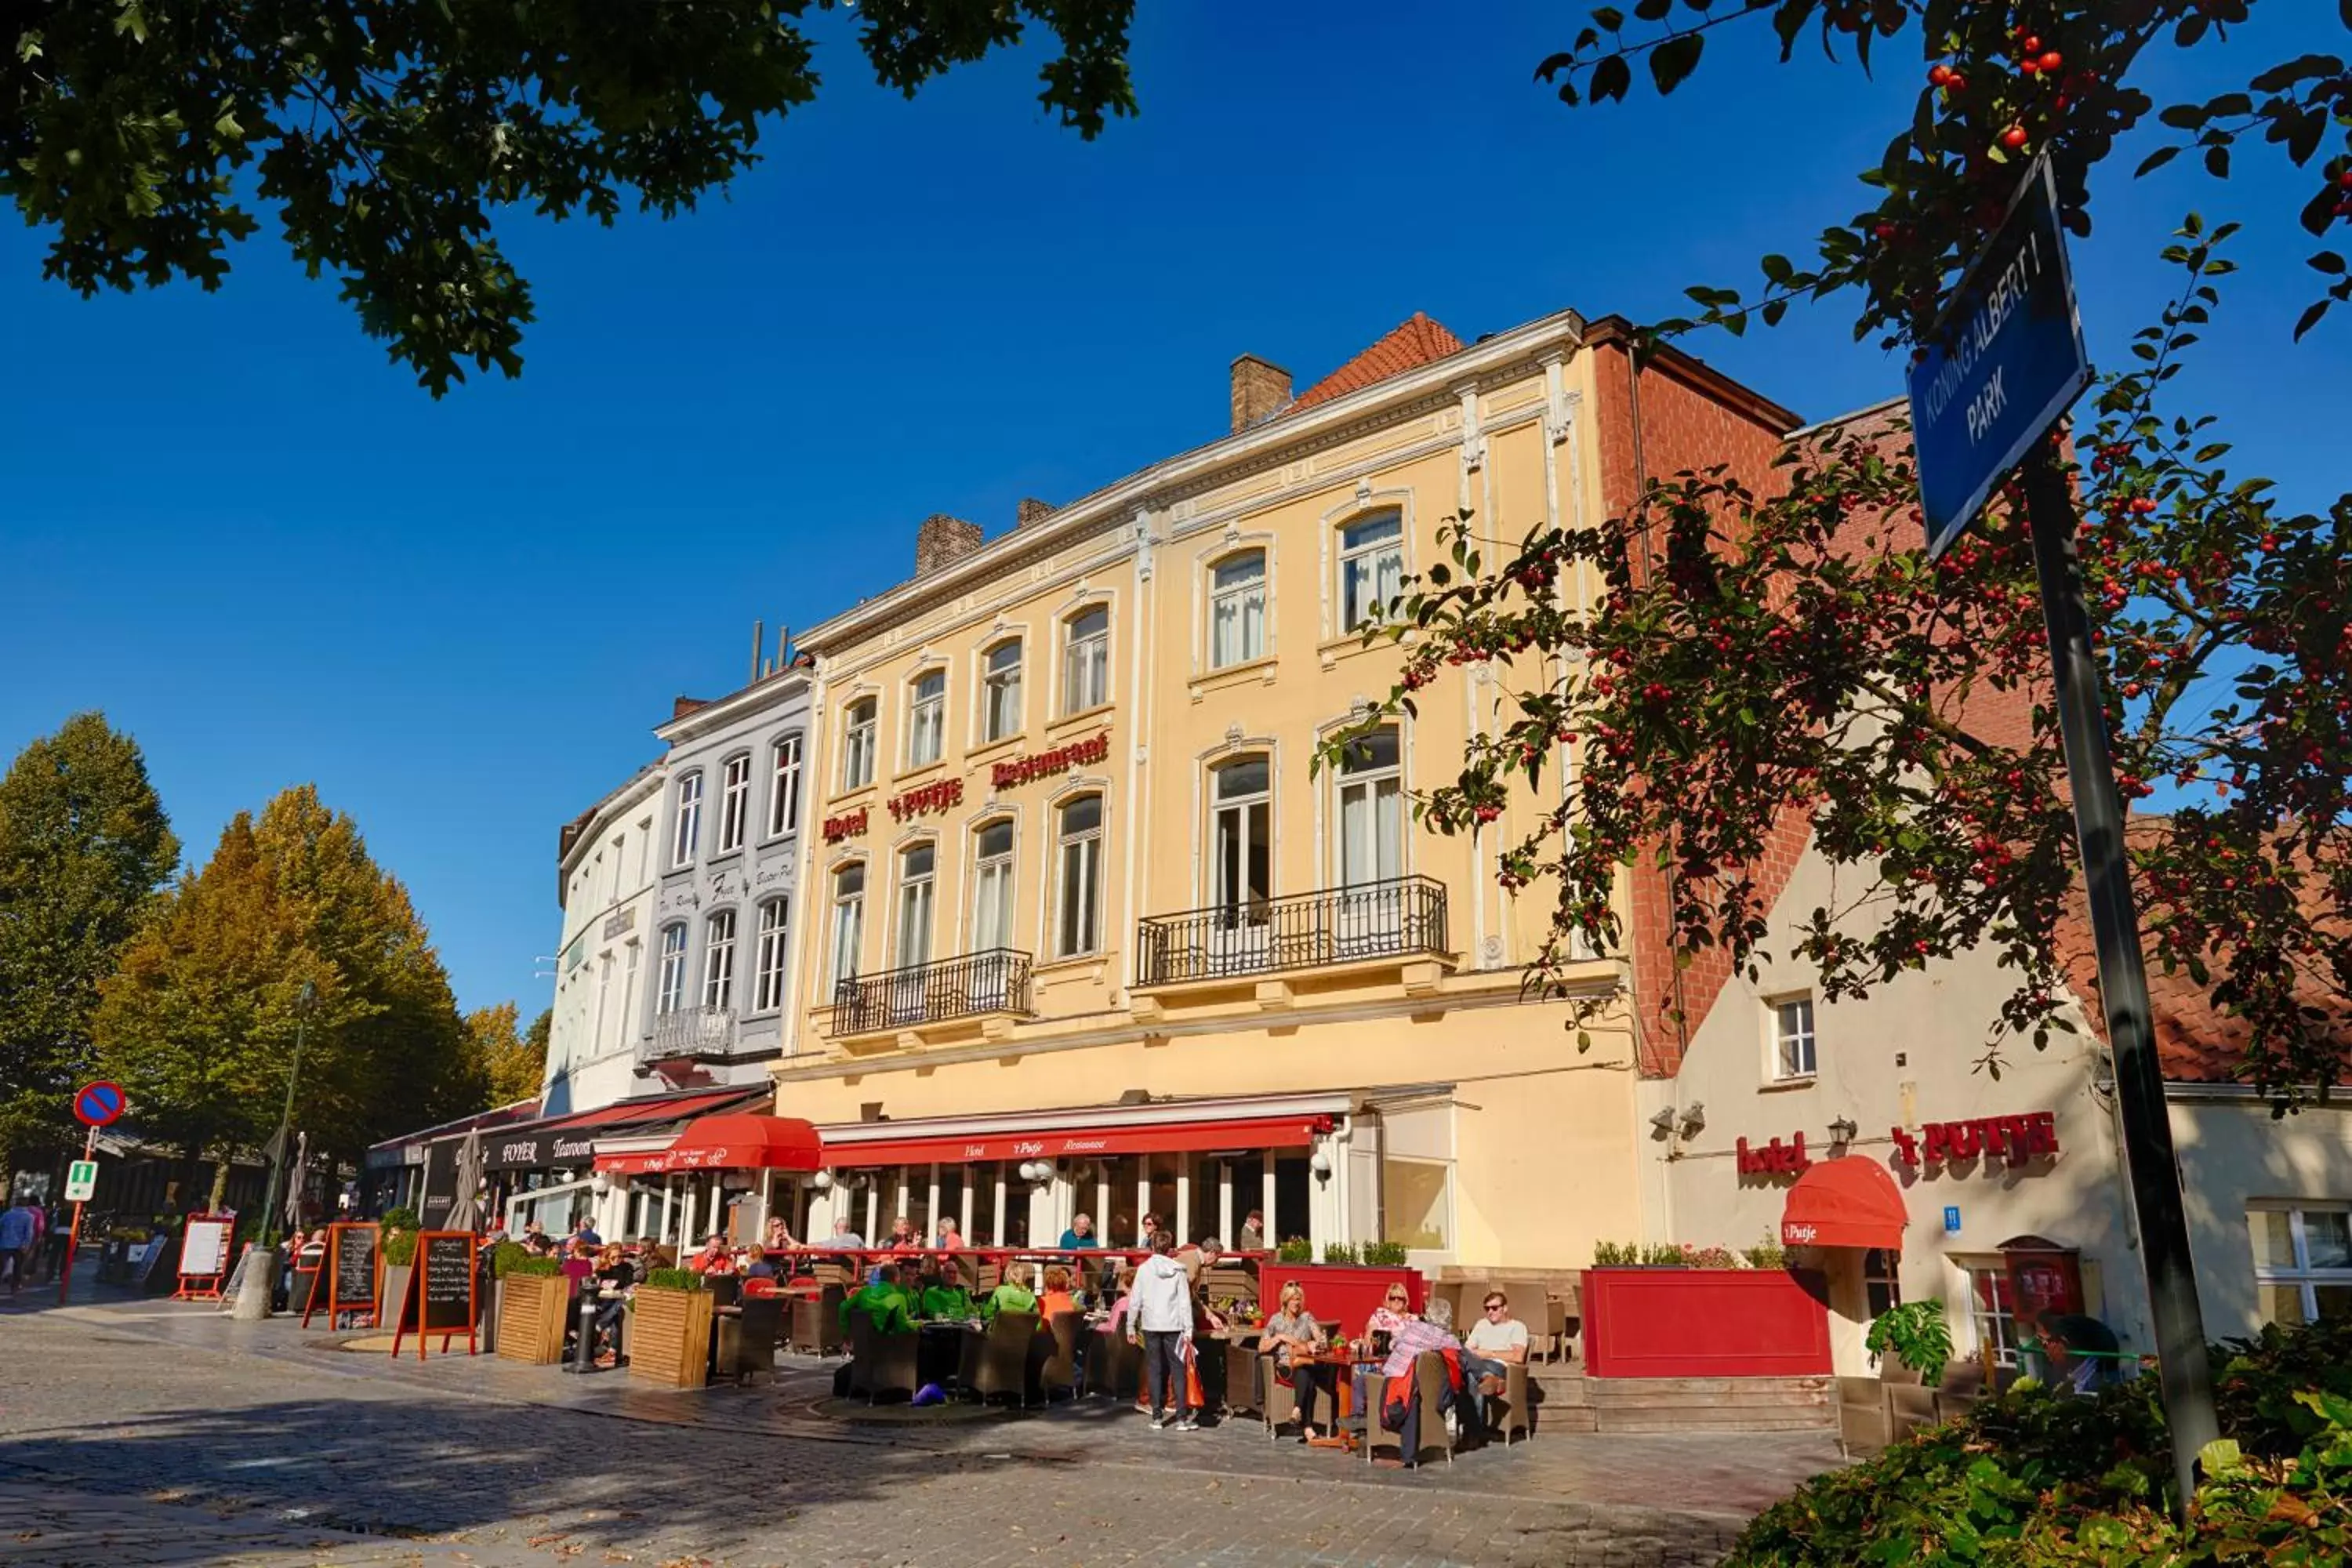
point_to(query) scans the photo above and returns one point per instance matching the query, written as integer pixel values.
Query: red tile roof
(1410, 345)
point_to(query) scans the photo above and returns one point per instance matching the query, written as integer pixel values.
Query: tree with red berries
(1749, 661)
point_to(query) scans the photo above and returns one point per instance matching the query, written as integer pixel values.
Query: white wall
(608, 883)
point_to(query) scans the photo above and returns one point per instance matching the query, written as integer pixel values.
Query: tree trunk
(220, 1184)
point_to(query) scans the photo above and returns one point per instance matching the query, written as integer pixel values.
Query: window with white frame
(1078, 832)
(1882, 1281)
(857, 743)
(734, 803)
(784, 785)
(1371, 568)
(848, 920)
(719, 959)
(1086, 675)
(1237, 609)
(926, 718)
(669, 991)
(1241, 839)
(1372, 810)
(1001, 692)
(688, 834)
(2303, 1261)
(768, 977)
(992, 886)
(917, 882)
(1793, 1054)
(1992, 1312)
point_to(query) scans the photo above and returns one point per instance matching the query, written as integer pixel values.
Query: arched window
(848, 920)
(1241, 838)
(1237, 609)
(992, 885)
(719, 960)
(857, 744)
(1371, 568)
(688, 835)
(917, 882)
(1001, 711)
(1372, 810)
(1078, 853)
(1086, 673)
(734, 802)
(926, 718)
(767, 977)
(669, 993)
(784, 786)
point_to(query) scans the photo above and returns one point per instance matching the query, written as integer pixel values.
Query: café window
(1371, 568)
(734, 803)
(1237, 609)
(1241, 837)
(784, 786)
(1085, 672)
(2303, 1261)
(848, 920)
(669, 993)
(719, 960)
(1416, 1176)
(992, 886)
(768, 978)
(1882, 1282)
(918, 880)
(688, 834)
(926, 720)
(1792, 1038)
(857, 744)
(1372, 810)
(1992, 1312)
(1001, 694)
(1078, 927)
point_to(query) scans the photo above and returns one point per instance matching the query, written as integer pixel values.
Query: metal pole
(73, 1233)
(2149, 1165)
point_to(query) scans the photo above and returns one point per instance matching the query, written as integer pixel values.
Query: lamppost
(260, 1282)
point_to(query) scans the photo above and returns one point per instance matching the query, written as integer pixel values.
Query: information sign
(81, 1180)
(350, 1277)
(440, 1299)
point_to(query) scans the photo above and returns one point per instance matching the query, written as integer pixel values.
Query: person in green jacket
(1012, 1296)
(883, 1301)
(947, 1299)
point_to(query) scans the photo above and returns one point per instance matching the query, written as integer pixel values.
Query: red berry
(2053, 60)
(1884, 231)
(2029, 65)
(1956, 83)
(2029, 44)
(1940, 75)
(2345, 179)
(2013, 138)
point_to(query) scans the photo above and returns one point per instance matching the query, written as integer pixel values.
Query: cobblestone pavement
(148, 1432)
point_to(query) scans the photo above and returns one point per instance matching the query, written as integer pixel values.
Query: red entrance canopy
(1084, 1143)
(742, 1142)
(1846, 1202)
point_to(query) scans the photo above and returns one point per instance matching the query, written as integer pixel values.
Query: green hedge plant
(1295, 1249)
(673, 1280)
(529, 1267)
(505, 1257)
(399, 1248)
(1384, 1254)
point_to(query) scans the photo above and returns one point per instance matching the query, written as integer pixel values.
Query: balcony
(1372, 921)
(699, 1034)
(995, 981)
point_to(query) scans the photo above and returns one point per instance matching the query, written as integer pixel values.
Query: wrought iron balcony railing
(995, 981)
(1304, 931)
(690, 1032)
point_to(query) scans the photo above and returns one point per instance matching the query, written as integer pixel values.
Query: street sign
(1951, 1219)
(81, 1180)
(2003, 362)
(98, 1103)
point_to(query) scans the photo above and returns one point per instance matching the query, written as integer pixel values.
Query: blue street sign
(2002, 364)
(99, 1103)
(1951, 1219)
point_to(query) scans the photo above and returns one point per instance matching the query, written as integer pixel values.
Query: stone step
(1643, 1420)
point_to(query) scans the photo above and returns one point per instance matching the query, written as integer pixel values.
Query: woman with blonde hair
(1293, 1339)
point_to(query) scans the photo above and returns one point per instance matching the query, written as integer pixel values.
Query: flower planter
(532, 1309)
(1705, 1322)
(1340, 1295)
(395, 1290)
(668, 1337)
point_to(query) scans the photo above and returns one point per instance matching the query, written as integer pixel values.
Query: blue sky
(231, 524)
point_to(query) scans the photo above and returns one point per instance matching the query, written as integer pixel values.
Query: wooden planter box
(668, 1337)
(1340, 1295)
(532, 1309)
(1705, 1322)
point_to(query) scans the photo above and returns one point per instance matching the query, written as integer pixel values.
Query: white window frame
(914, 885)
(846, 929)
(858, 735)
(734, 802)
(784, 785)
(1239, 596)
(686, 833)
(1368, 554)
(2300, 1274)
(1239, 905)
(769, 972)
(1366, 778)
(1000, 690)
(719, 960)
(926, 718)
(1783, 1063)
(669, 993)
(1994, 1325)
(1086, 844)
(1086, 661)
(994, 876)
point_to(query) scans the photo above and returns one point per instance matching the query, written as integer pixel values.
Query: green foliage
(502, 1061)
(1385, 1254)
(388, 140)
(1767, 1254)
(401, 1217)
(399, 1248)
(673, 1280)
(2033, 1477)
(1616, 1254)
(1915, 1334)
(1664, 1255)
(1338, 1252)
(532, 1268)
(506, 1257)
(84, 846)
(1295, 1249)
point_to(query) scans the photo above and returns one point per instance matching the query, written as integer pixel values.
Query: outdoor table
(939, 1350)
(1343, 1399)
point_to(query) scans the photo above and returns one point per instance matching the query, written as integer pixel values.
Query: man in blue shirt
(1081, 1234)
(16, 1229)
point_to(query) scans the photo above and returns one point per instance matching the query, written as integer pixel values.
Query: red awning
(1083, 1143)
(738, 1142)
(1845, 1202)
(644, 1112)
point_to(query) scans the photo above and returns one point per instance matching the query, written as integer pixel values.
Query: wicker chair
(1428, 1385)
(894, 1362)
(861, 1355)
(1004, 1356)
(1061, 1368)
(1509, 1411)
(1114, 1366)
(816, 1322)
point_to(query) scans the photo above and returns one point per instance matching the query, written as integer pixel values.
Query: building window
(848, 920)
(719, 960)
(1077, 926)
(1792, 1038)
(1241, 839)
(690, 820)
(918, 880)
(926, 720)
(2303, 1262)
(1371, 568)
(1992, 1311)
(1001, 715)
(1237, 610)
(857, 744)
(1372, 810)
(669, 995)
(784, 786)
(1086, 680)
(992, 886)
(768, 982)
(1881, 1286)
(734, 803)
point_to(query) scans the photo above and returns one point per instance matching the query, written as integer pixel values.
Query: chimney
(1261, 390)
(1029, 510)
(942, 541)
(759, 647)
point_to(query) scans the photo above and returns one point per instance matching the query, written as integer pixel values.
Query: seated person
(614, 1276)
(882, 1301)
(1012, 1296)
(1292, 1337)
(578, 1263)
(755, 1263)
(946, 1298)
(1392, 1314)
(1055, 1297)
(2082, 1353)
(1080, 1235)
(1409, 1341)
(903, 1237)
(1125, 1302)
(714, 1258)
(1497, 1336)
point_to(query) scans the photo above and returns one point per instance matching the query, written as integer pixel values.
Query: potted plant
(502, 1261)
(669, 1329)
(396, 1244)
(1348, 1285)
(1911, 1345)
(534, 1302)
(1679, 1310)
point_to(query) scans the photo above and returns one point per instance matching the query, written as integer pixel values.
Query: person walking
(16, 1240)
(1163, 1314)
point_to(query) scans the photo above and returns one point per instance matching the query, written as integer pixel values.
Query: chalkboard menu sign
(351, 1274)
(440, 1298)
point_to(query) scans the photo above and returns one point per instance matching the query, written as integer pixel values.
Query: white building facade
(607, 870)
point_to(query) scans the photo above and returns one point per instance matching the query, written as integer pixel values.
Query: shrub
(1386, 1254)
(1616, 1254)
(402, 1219)
(2058, 1481)
(1917, 1335)
(399, 1248)
(505, 1257)
(1295, 1249)
(529, 1267)
(1710, 1258)
(1338, 1252)
(1767, 1254)
(1664, 1255)
(673, 1280)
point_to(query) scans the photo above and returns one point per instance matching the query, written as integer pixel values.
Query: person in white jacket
(1161, 1309)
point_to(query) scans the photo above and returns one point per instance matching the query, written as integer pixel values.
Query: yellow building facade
(1088, 933)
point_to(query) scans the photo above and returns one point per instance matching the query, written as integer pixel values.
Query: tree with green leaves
(387, 138)
(84, 848)
(504, 1065)
(1759, 661)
